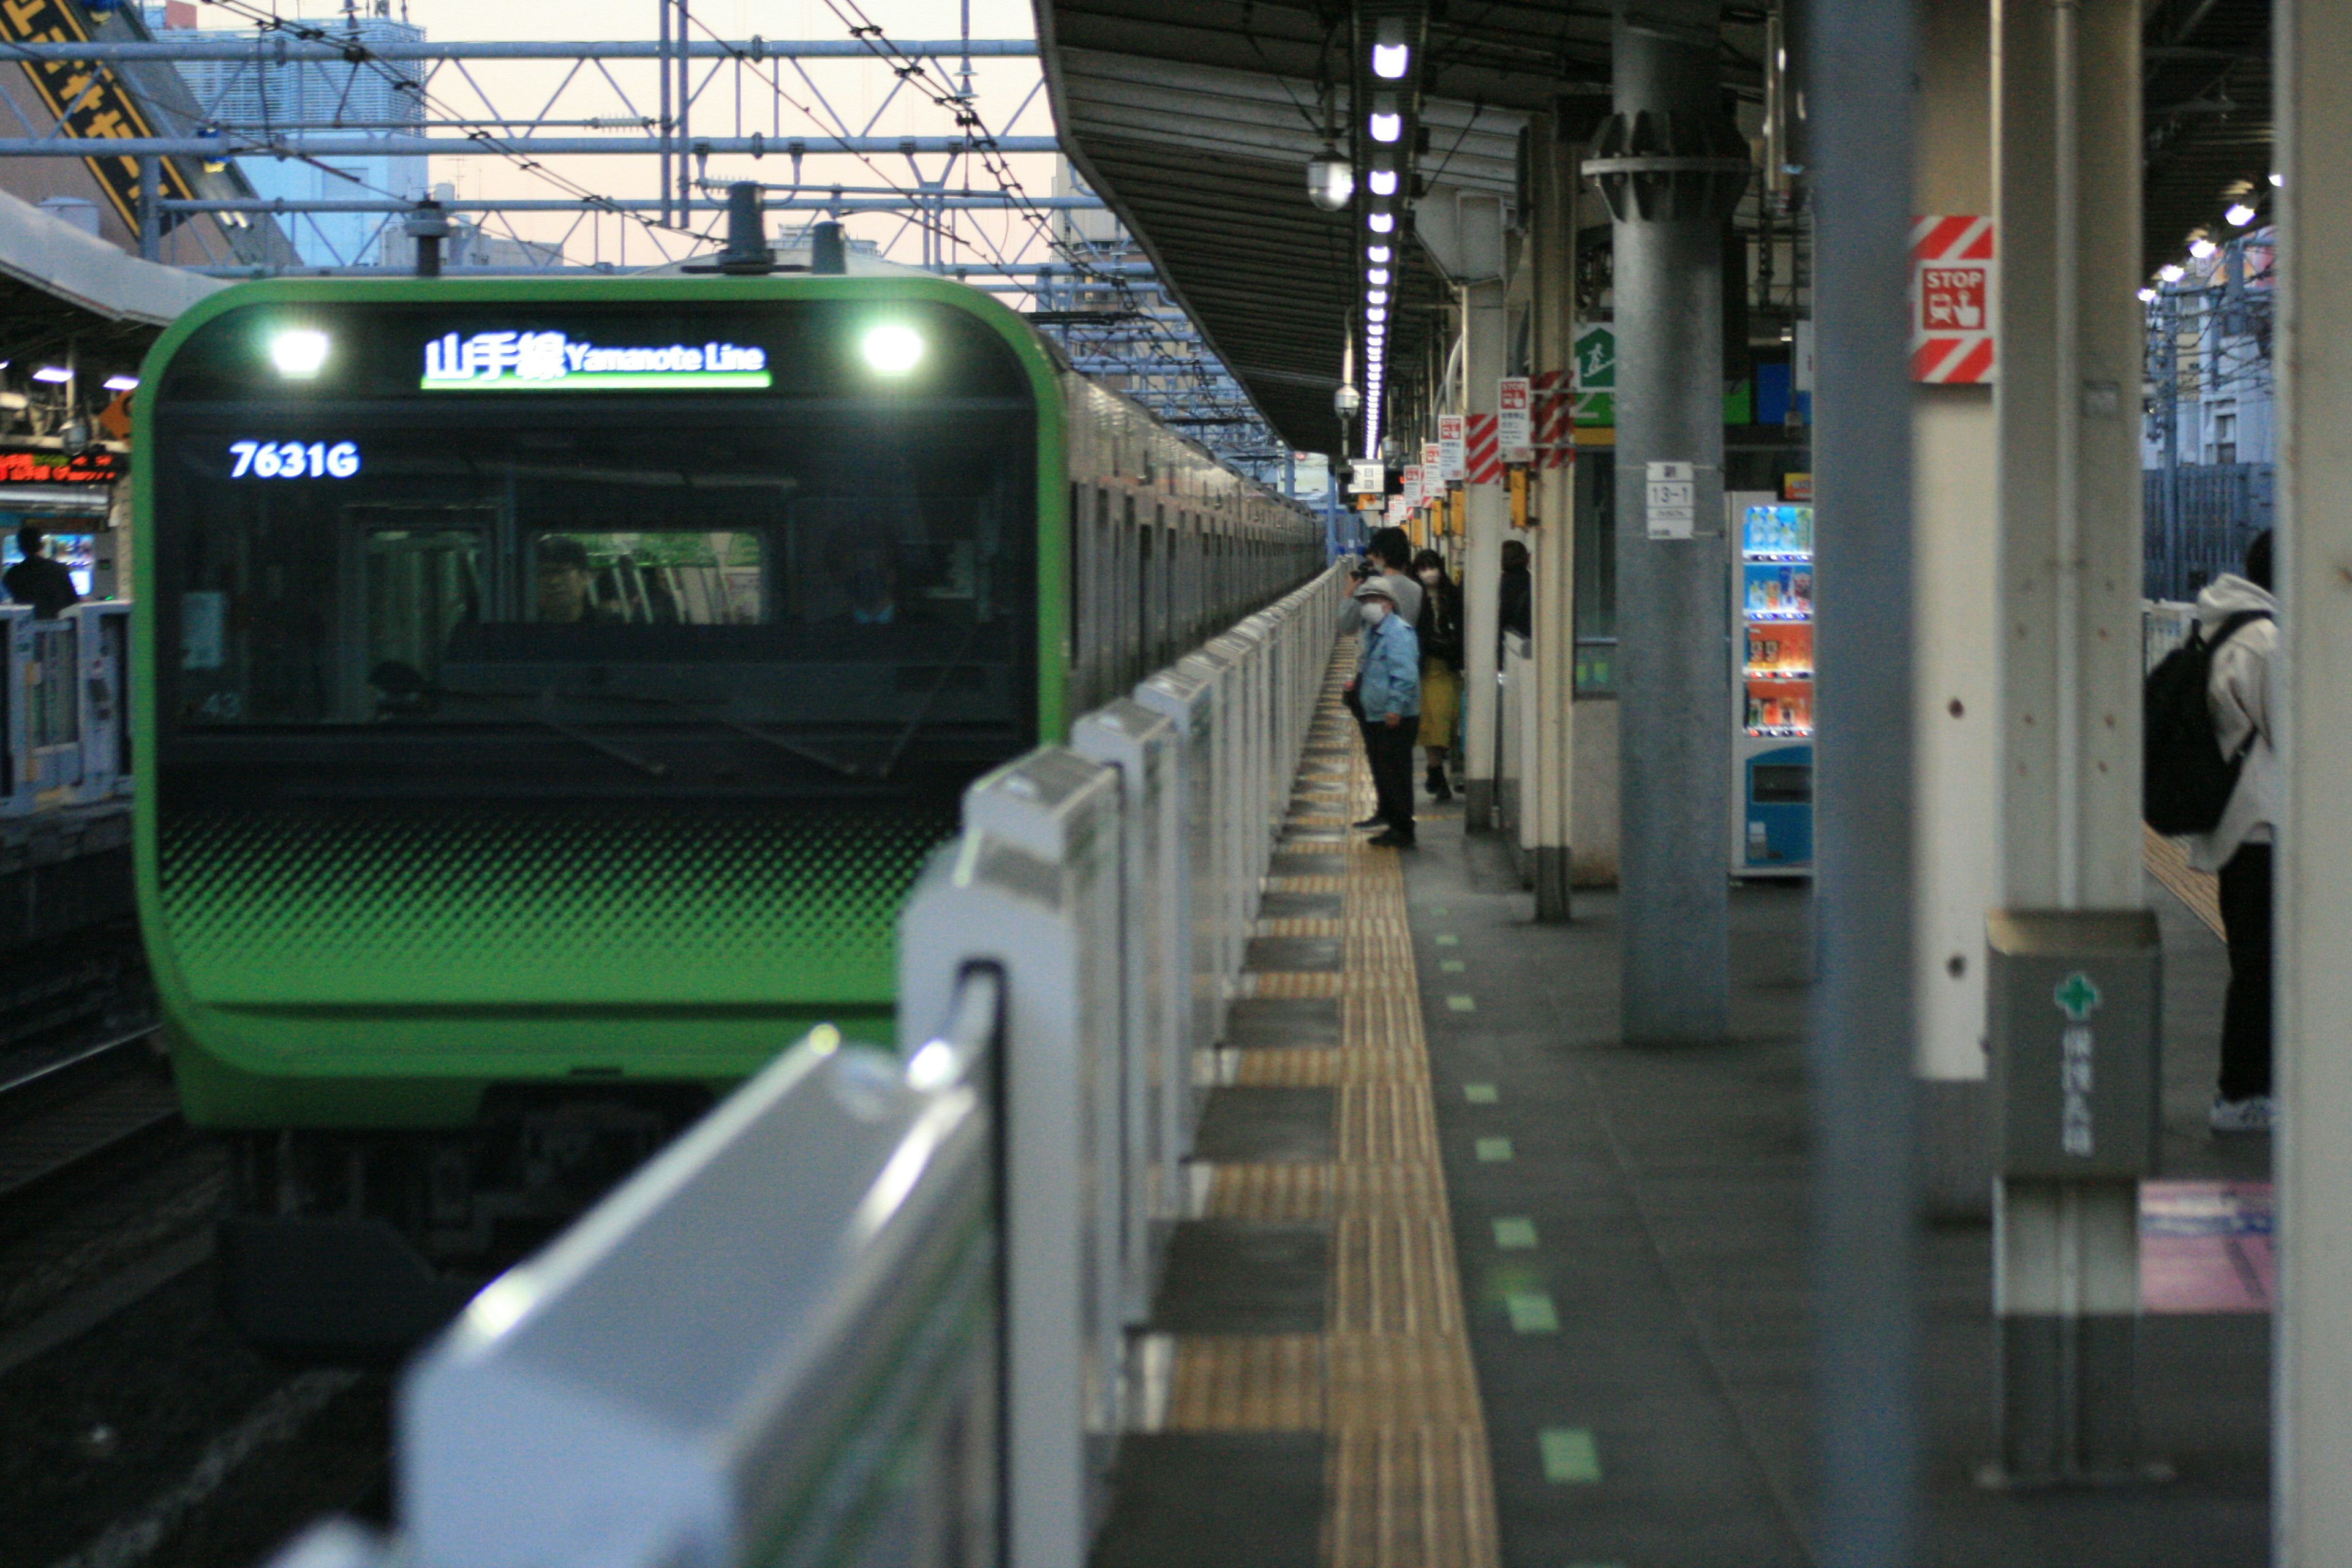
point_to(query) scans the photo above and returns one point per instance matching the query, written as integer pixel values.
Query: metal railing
(876, 1309)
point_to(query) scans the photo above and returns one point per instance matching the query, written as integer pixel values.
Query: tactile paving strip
(1390, 1382)
(2167, 862)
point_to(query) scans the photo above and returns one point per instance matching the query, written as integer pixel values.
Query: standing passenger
(2239, 847)
(1515, 606)
(1439, 634)
(38, 581)
(1388, 684)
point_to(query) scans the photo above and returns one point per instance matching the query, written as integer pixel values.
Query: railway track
(65, 1104)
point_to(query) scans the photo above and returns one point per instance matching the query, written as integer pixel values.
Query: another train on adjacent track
(550, 689)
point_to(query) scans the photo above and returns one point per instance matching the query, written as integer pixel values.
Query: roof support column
(1553, 186)
(1955, 538)
(1864, 101)
(2312, 1447)
(1487, 509)
(2066, 101)
(1674, 680)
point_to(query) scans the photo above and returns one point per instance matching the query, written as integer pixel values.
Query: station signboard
(1515, 430)
(1450, 448)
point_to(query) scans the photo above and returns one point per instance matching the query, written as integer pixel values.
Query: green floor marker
(1480, 1093)
(1451, 966)
(1447, 939)
(1531, 1313)
(1570, 1455)
(1494, 1150)
(1463, 1003)
(1514, 1234)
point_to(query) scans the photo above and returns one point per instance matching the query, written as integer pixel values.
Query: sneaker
(1390, 840)
(1374, 821)
(2255, 1113)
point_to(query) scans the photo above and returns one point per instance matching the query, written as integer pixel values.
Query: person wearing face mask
(1388, 685)
(1439, 631)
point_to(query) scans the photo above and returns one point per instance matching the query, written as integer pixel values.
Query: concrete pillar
(1554, 185)
(1955, 538)
(2066, 409)
(1674, 677)
(2313, 1450)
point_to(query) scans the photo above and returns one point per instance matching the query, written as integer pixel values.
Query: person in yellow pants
(1439, 627)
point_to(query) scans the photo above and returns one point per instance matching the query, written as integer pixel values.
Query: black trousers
(1389, 750)
(2246, 1015)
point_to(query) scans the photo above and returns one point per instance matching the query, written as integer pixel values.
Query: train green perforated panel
(523, 906)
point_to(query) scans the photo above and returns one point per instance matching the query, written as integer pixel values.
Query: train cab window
(607, 591)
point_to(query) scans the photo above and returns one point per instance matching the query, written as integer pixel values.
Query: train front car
(553, 689)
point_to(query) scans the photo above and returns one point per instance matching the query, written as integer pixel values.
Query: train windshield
(613, 589)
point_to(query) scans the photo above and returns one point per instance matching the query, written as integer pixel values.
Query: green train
(551, 690)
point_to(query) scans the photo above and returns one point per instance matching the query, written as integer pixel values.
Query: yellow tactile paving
(2167, 860)
(1390, 1382)
(1247, 1382)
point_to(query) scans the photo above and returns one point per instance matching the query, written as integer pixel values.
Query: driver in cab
(566, 586)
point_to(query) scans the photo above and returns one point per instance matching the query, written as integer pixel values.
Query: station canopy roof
(63, 287)
(2206, 113)
(1195, 121)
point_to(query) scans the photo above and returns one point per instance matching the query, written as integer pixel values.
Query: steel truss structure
(400, 97)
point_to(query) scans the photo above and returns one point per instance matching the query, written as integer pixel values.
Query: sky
(734, 101)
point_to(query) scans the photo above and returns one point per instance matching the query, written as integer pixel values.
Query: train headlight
(892, 350)
(298, 352)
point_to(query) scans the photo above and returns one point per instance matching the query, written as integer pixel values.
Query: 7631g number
(294, 459)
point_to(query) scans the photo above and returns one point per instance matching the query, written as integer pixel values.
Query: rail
(874, 1309)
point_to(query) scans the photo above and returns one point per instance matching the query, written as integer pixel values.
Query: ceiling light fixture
(2240, 215)
(1391, 57)
(1380, 223)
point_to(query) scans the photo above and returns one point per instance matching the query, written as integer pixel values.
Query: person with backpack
(2212, 776)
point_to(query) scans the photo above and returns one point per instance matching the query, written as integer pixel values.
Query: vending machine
(1772, 679)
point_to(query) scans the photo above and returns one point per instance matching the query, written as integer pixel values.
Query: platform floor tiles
(1318, 1404)
(1634, 1246)
(1469, 1282)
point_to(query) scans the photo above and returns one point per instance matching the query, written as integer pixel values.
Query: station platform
(1469, 1282)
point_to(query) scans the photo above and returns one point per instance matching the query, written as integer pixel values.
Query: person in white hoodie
(2239, 847)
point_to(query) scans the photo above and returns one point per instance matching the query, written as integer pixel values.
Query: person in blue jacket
(1388, 686)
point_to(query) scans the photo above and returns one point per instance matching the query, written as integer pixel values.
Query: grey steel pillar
(1486, 521)
(150, 216)
(1862, 92)
(1553, 183)
(2312, 1519)
(1671, 167)
(2072, 344)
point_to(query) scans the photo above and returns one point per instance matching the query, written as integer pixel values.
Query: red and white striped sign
(1954, 274)
(1482, 457)
(1555, 444)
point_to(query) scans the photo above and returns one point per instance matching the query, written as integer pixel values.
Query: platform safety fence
(874, 1309)
(65, 737)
